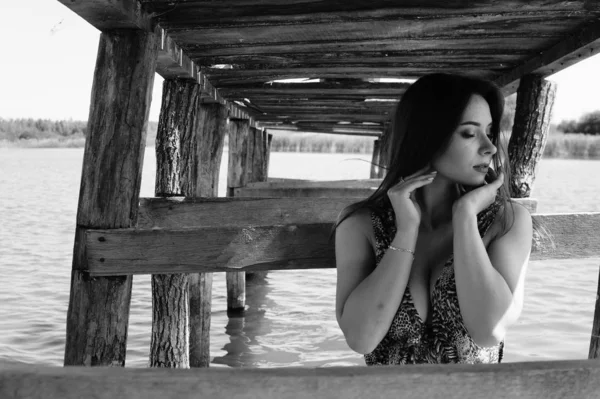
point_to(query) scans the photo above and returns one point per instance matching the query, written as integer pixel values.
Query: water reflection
(245, 328)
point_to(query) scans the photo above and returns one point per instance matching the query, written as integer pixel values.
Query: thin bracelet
(402, 250)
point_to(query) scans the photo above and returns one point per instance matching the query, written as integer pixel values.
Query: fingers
(414, 183)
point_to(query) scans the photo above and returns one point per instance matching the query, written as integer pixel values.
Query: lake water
(290, 319)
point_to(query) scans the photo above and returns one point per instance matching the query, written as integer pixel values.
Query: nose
(487, 147)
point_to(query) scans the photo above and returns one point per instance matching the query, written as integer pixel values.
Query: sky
(49, 54)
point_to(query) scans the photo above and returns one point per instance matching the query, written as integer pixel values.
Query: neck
(436, 200)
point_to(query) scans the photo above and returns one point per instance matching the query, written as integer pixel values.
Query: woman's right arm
(368, 297)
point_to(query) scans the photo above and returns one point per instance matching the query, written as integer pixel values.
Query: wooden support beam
(313, 192)
(594, 351)
(581, 44)
(281, 91)
(535, 100)
(98, 313)
(204, 162)
(526, 380)
(300, 183)
(237, 176)
(245, 247)
(180, 212)
(321, 129)
(169, 344)
(375, 159)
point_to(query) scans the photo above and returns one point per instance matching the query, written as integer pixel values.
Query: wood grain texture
(374, 173)
(239, 131)
(535, 100)
(98, 312)
(169, 344)
(527, 380)
(594, 351)
(180, 212)
(581, 43)
(280, 247)
(108, 15)
(323, 192)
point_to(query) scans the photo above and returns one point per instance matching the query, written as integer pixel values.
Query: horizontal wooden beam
(525, 380)
(248, 247)
(315, 191)
(215, 15)
(233, 77)
(582, 43)
(307, 117)
(180, 212)
(332, 129)
(365, 56)
(291, 183)
(475, 45)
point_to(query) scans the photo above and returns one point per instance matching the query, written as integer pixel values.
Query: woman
(431, 267)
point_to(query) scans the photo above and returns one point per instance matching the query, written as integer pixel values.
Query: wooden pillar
(98, 314)
(239, 131)
(535, 99)
(268, 153)
(210, 137)
(375, 159)
(594, 352)
(188, 151)
(169, 344)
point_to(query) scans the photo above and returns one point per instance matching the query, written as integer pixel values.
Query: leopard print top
(446, 340)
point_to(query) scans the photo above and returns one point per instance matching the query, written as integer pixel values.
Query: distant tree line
(588, 124)
(38, 129)
(24, 129)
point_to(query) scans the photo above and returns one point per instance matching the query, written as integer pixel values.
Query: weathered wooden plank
(211, 15)
(365, 56)
(582, 43)
(331, 129)
(527, 380)
(535, 100)
(231, 77)
(292, 183)
(98, 313)
(484, 45)
(302, 90)
(319, 191)
(308, 117)
(279, 247)
(180, 212)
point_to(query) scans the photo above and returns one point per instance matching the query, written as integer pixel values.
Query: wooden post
(98, 313)
(268, 153)
(210, 137)
(239, 130)
(375, 159)
(169, 344)
(535, 99)
(594, 352)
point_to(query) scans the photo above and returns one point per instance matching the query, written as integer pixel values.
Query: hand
(480, 198)
(401, 195)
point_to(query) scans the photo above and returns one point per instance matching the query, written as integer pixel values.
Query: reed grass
(558, 145)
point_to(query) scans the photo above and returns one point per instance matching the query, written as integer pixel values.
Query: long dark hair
(427, 115)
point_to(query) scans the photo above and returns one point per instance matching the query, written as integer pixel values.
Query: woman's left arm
(490, 283)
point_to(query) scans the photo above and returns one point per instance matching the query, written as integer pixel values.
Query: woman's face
(470, 150)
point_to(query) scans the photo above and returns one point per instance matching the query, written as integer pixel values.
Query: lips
(483, 168)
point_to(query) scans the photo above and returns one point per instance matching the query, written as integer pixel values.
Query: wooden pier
(225, 65)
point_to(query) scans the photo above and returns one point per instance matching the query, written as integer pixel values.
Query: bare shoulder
(514, 218)
(358, 223)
